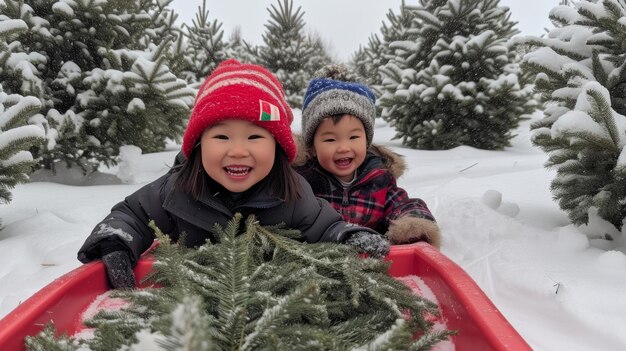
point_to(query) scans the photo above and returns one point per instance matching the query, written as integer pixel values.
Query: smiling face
(340, 147)
(237, 154)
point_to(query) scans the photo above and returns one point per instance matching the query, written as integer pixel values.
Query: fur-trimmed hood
(393, 161)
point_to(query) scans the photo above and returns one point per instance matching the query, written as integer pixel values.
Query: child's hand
(371, 244)
(407, 229)
(119, 270)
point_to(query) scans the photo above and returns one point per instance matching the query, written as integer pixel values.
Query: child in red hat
(237, 147)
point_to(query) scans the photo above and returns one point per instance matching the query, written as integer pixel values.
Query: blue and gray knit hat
(327, 97)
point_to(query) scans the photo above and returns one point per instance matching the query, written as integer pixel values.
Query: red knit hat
(246, 92)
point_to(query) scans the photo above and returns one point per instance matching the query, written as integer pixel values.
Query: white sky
(494, 208)
(345, 23)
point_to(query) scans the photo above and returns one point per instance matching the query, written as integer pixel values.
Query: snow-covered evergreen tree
(85, 50)
(238, 48)
(320, 56)
(259, 289)
(288, 52)
(17, 113)
(205, 45)
(580, 70)
(19, 72)
(167, 29)
(367, 60)
(16, 137)
(378, 51)
(137, 101)
(453, 80)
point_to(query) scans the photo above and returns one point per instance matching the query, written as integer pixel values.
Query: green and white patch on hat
(269, 112)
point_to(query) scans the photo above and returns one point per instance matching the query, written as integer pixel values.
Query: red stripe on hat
(250, 74)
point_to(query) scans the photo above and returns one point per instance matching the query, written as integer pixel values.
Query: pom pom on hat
(245, 92)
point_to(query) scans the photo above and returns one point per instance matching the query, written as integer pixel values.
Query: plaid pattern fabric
(373, 200)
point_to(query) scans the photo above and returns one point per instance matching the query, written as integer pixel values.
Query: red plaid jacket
(373, 200)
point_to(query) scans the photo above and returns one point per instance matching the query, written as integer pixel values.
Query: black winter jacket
(175, 212)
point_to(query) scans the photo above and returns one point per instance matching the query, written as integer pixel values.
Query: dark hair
(193, 179)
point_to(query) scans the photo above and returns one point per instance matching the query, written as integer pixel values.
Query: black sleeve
(126, 227)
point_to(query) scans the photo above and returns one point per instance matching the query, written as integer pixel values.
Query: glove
(407, 229)
(372, 244)
(119, 269)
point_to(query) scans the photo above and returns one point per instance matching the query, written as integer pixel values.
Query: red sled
(463, 305)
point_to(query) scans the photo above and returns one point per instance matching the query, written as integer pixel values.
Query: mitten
(407, 229)
(372, 244)
(119, 269)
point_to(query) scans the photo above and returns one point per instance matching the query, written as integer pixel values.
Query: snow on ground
(495, 211)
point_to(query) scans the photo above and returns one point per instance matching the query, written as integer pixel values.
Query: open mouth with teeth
(343, 162)
(238, 171)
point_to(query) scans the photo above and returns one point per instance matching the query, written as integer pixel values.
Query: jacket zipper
(345, 201)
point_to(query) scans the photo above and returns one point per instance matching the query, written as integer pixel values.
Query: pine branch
(48, 341)
(273, 317)
(11, 28)
(259, 289)
(603, 114)
(9, 148)
(18, 114)
(427, 342)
